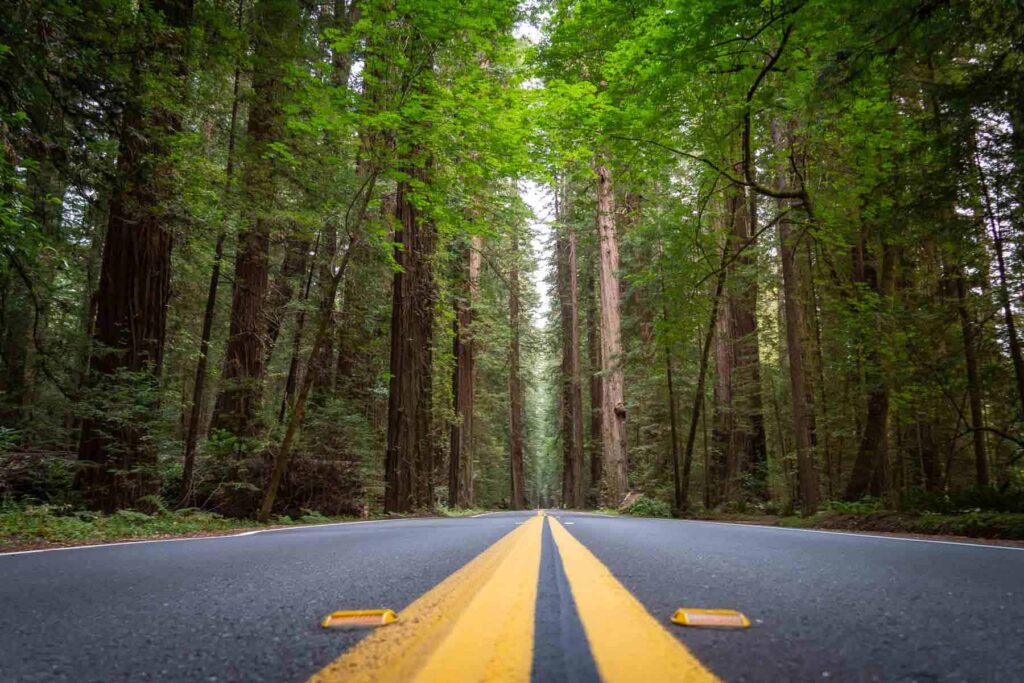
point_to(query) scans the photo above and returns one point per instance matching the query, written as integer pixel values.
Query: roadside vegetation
(970, 514)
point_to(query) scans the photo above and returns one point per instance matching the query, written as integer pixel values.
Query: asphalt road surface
(823, 606)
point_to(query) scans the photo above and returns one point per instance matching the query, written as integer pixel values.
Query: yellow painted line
(476, 625)
(627, 643)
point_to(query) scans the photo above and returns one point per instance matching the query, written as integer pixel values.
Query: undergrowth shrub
(649, 507)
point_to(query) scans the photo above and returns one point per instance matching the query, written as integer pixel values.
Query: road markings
(476, 625)
(714, 618)
(855, 534)
(359, 618)
(627, 643)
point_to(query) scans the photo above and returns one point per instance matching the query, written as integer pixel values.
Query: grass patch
(44, 525)
(443, 511)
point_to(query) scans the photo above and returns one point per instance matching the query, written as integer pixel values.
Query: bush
(954, 502)
(865, 506)
(649, 507)
(37, 477)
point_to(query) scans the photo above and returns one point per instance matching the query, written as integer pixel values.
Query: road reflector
(359, 618)
(710, 618)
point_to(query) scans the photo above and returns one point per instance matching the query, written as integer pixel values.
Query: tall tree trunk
(740, 449)
(572, 394)
(596, 390)
(199, 386)
(326, 309)
(870, 468)
(806, 471)
(931, 464)
(239, 404)
(682, 492)
(752, 447)
(460, 463)
(613, 401)
(723, 432)
(819, 359)
(1012, 337)
(517, 415)
(967, 329)
(672, 420)
(135, 277)
(282, 289)
(807, 474)
(409, 459)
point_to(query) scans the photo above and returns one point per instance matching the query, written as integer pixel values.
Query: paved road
(824, 606)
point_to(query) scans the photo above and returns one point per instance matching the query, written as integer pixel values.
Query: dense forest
(285, 257)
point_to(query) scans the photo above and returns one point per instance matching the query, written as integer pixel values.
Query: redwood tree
(134, 286)
(239, 404)
(613, 401)
(572, 394)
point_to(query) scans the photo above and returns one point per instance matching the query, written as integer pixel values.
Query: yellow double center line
(477, 625)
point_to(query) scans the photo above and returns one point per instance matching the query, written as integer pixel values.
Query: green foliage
(973, 524)
(445, 511)
(970, 500)
(864, 506)
(61, 524)
(649, 507)
(37, 478)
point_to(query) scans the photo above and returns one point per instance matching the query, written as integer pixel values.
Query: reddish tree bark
(596, 391)
(807, 473)
(410, 451)
(613, 401)
(238, 406)
(517, 468)
(135, 277)
(460, 462)
(572, 393)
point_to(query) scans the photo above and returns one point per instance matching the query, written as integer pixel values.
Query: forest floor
(44, 526)
(975, 525)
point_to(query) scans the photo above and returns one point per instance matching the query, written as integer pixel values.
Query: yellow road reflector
(476, 625)
(359, 618)
(711, 618)
(628, 643)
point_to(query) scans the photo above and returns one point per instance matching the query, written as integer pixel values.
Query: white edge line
(251, 532)
(855, 534)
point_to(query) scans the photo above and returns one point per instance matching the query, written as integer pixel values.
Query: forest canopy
(278, 257)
